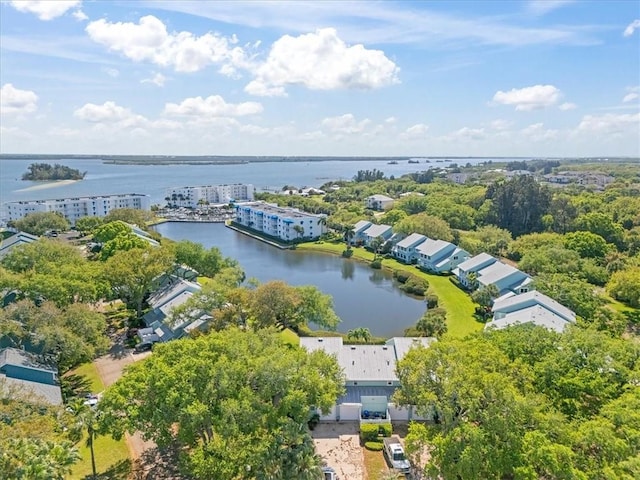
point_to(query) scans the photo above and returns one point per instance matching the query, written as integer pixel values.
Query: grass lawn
(458, 304)
(374, 464)
(108, 452)
(90, 373)
(290, 337)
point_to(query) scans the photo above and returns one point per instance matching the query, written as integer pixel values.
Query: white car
(329, 473)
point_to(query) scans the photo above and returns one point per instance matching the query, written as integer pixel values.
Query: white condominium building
(284, 223)
(73, 208)
(193, 197)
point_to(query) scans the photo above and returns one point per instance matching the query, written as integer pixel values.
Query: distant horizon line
(350, 157)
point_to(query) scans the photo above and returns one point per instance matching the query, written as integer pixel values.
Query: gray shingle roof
(411, 240)
(536, 314)
(496, 272)
(433, 248)
(41, 391)
(537, 297)
(474, 262)
(376, 230)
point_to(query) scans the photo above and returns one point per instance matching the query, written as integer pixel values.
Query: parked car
(329, 473)
(142, 347)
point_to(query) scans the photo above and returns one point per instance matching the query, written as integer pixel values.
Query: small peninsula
(47, 172)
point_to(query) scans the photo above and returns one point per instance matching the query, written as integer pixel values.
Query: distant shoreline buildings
(74, 208)
(286, 224)
(194, 197)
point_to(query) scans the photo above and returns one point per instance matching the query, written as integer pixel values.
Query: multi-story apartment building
(193, 197)
(74, 208)
(284, 223)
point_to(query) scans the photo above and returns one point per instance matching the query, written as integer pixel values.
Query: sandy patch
(46, 185)
(339, 445)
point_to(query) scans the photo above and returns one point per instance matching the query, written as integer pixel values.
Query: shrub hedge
(368, 432)
(374, 446)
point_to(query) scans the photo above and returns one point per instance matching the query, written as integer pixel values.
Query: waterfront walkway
(257, 236)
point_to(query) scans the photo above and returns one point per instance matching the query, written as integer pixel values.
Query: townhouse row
(517, 302)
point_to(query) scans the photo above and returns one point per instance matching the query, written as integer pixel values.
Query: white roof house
(379, 202)
(505, 278)
(370, 376)
(359, 230)
(375, 231)
(439, 255)
(531, 307)
(406, 249)
(476, 263)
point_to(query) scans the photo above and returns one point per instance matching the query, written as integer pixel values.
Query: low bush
(432, 301)
(374, 446)
(369, 433)
(415, 286)
(348, 253)
(377, 264)
(401, 276)
(386, 429)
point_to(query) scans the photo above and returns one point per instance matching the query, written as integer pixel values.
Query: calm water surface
(154, 180)
(362, 297)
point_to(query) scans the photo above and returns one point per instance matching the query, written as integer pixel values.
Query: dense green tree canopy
(53, 270)
(625, 286)
(87, 225)
(38, 223)
(587, 244)
(34, 440)
(72, 335)
(129, 215)
(277, 303)
(425, 224)
(131, 273)
(205, 262)
(525, 403)
(235, 403)
(519, 204)
(47, 172)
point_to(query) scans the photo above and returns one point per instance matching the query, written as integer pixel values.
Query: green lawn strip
(108, 453)
(290, 337)
(90, 372)
(374, 464)
(458, 304)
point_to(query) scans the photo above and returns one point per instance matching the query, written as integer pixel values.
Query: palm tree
(376, 245)
(86, 418)
(349, 233)
(299, 229)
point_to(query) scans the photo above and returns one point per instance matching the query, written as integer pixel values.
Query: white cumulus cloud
(212, 106)
(321, 61)
(345, 124)
(610, 123)
(529, 98)
(632, 27)
(158, 79)
(630, 97)
(107, 112)
(45, 9)
(414, 132)
(536, 132)
(80, 15)
(567, 106)
(14, 100)
(149, 41)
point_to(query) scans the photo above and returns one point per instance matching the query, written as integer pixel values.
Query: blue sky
(474, 78)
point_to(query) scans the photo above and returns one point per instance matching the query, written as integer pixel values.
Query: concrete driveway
(110, 368)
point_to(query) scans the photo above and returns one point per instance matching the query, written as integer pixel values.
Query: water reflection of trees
(348, 269)
(377, 277)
